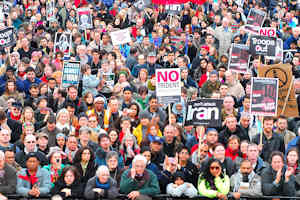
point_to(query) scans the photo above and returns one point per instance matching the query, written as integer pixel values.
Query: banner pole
(169, 110)
(287, 96)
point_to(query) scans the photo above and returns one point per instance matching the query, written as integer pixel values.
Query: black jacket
(269, 188)
(226, 133)
(276, 143)
(76, 188)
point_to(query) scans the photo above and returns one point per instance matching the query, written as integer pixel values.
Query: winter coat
(254, 189)
(44, 182)
(148, 185)
(8, 181)
(186, 189)
(222, 186)
(110, 193)
(269, 188)
(76, 188)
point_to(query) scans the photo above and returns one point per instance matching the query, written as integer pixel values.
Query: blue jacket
(90, 83)
(44, 182)
(101, 158)
(3, 79)
(28, 83)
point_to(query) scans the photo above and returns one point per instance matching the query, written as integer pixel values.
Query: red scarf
(17, 118)
(32, 179)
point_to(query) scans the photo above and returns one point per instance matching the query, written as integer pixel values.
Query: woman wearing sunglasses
(213, 183)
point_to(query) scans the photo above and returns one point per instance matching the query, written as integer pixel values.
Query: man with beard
(245, 182)
(271, 141)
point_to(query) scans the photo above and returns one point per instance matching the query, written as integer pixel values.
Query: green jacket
(222, 185)
(148, 185)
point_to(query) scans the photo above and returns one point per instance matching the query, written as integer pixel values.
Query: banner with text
(168, 87)
(204, 112)
(7, 37)
(71, 73)
(262, 45)
(264, 96)
(284, 74)
(239, 58)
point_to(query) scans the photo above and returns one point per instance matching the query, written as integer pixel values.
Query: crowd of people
(103, 138)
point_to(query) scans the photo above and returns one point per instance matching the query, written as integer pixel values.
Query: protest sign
(204, 112)
(62, 43)
(267, 31)
(84, 18)
(50, 5)
(71, 73)
(239, 59)
(109, 79)
(278, 51)
(256, 17)
(284, 74)
(173, 9)
(262, 45)
(264, 96)
(7, 37)
(168, 87)
(120, 37)
(6, 6)
(288, 55)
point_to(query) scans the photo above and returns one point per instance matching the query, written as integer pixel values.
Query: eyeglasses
(214, 168)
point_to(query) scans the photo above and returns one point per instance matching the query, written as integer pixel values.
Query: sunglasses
(214, 168)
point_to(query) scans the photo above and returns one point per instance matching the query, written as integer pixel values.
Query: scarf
(32, 179)
(141, 179)
(239, 179)
(103, 186)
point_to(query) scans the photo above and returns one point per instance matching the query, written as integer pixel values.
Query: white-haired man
(101, 185)
(138, 182)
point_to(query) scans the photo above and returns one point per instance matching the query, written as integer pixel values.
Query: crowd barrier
(158, 197)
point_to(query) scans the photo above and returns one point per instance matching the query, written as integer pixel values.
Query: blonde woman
(63, 122)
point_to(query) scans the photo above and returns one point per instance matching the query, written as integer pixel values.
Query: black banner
(264, 96)
(262, 45)
(7, 37)
(205, 112)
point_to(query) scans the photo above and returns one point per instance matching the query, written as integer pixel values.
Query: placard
(168, 85)
(264, 96)
(284, 74)
(239, 58)
(7, 37)
(262, 45)
(120, 37)
(204, 112)
(84, 18)
(256, 17)
(50, 6)
(71, 73)
(63, 43)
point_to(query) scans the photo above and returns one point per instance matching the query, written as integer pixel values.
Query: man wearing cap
(30, 79)
(51, 130)
(29, 147)
(211, 85)
(151, 61)
(33, 181)
(10, 74)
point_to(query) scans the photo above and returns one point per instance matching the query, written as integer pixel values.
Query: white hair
(101, 169)
(139, 157)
